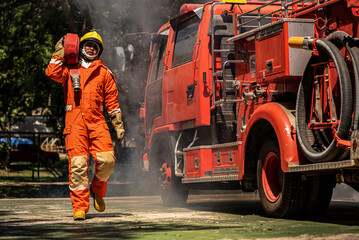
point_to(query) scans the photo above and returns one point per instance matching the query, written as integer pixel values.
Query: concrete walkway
(217, 216)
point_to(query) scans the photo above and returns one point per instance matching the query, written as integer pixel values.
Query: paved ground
(218, 216)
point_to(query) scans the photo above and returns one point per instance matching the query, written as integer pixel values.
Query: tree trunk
(5, 161)
(70, 20)
(5, 149)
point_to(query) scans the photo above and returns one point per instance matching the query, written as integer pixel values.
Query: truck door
(181, 100)
(154, 87)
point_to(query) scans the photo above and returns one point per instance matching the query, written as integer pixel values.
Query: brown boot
(98, 201)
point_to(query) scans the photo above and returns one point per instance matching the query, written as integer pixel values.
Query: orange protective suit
(85, 128)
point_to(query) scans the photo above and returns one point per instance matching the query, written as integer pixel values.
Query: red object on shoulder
(71, 48)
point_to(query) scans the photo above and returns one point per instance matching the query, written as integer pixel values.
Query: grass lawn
(23, 172)
(26, 180)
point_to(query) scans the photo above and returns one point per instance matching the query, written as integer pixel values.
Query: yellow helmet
(92, 36)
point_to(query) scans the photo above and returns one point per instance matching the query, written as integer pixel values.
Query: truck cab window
(157, 66)
(186, 38)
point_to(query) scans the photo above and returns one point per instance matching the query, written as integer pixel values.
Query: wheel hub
(272, 177)
(165, 175)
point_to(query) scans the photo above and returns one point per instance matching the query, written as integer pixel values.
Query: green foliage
(29, 30)
(24, 48)
(4, 149)
(4, 155)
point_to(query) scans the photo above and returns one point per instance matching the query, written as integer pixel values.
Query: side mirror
(122, 55)
(130, 51)
(120, 58)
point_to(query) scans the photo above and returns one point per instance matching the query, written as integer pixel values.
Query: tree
(29, 30)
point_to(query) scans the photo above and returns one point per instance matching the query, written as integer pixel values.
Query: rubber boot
(80, 215)
(98, 202)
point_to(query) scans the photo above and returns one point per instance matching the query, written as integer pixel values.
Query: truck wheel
(320, 190)
(173, 193)
(281, 194)
(324, 105)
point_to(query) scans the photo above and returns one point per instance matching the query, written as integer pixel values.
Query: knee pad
(78, 173)
(104, 165)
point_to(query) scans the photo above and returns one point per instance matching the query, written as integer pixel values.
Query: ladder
(223, 75)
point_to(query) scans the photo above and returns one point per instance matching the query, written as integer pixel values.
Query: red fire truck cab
(256, 96)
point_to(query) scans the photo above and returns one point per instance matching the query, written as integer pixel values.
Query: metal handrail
(259, 8)
(224, 91)
(212, 50)
(224, 86)
(224, 94)
(285, 6)
(283, 9)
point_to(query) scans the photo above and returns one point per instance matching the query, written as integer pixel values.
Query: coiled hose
(342, 39)
(308, 139)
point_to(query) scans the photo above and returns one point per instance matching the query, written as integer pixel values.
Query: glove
(59, 49)
(116, 120)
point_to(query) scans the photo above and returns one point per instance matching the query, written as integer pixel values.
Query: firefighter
(85, 128)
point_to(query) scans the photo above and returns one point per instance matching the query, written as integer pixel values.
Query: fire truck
(256, 96)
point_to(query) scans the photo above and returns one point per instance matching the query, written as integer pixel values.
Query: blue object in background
(16, 141)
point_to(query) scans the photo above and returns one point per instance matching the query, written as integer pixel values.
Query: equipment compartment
(273, 57)
(196, 164)
(225, 161)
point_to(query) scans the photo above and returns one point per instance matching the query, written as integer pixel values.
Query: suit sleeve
(56, 70)
(111, 94)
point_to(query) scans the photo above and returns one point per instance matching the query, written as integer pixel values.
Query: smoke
(118, 21)
(113, 19)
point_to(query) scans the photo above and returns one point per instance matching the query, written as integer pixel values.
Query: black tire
(281, 194)
(319, 145)
(173, 192)
(319, 195)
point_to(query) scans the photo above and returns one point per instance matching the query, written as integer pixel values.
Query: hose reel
(323, 122)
